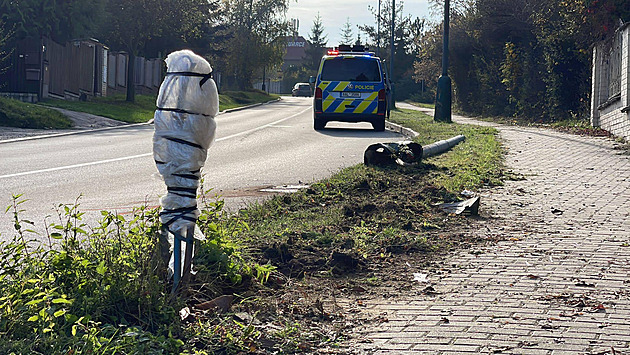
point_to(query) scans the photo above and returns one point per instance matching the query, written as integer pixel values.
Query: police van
(350, 86)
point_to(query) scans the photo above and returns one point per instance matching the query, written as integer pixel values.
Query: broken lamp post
(187, 103)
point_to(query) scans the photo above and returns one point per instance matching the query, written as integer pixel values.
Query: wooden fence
(75, 70)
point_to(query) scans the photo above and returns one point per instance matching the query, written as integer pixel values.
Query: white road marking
(146, 154)
(263, 126)
(75, 166)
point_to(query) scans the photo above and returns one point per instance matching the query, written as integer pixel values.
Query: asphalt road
(268, 145)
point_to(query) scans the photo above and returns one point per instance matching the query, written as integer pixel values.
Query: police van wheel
(379, 126)
(319, 124)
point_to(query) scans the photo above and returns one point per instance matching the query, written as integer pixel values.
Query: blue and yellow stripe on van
(332, 102)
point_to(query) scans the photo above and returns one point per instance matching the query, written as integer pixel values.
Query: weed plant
(93, 292)
(103, 289)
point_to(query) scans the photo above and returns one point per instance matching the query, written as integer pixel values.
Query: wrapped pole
(187, 103)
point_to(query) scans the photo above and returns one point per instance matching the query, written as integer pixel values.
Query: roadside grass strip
(143, 108)
(233, 99)
(114, 107)
(14, 113)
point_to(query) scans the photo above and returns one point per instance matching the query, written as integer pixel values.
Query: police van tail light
(381, 95)
(318, 94)
(382, 102)
(318, 100)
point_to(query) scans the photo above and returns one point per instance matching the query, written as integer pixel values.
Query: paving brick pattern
(559, 283)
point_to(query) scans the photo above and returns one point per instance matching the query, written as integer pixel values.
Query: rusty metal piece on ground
(219, 304)
(402, 153)
(469, 207)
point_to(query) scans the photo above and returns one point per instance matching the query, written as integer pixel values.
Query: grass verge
(278, 268)
(421, 104)
(14, 113)
(233, 99)
(574, 126)
(143, 108)
(114, 107)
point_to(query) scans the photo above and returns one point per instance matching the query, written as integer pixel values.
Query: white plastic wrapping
(184, 130)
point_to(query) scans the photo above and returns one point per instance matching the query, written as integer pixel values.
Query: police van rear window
(350, 69)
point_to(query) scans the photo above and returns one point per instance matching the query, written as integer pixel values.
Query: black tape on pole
(179, 110)
(205, 77)
(183, 141)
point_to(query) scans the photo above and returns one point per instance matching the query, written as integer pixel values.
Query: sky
(334, 14)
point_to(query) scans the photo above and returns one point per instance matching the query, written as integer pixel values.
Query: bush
(104, 289)
(93, 292)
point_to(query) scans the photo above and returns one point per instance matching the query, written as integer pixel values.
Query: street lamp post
(378, 30)
(392, 104)
(444, 98)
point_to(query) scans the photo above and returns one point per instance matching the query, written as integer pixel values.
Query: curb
(406, 132)
(248, 106)
(150, 122)
(74, 132)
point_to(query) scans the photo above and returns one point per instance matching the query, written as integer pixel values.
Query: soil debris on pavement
(383, 240)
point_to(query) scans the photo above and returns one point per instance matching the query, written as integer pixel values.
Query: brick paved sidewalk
(559, 283)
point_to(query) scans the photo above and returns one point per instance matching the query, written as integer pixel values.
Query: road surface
(269, 145)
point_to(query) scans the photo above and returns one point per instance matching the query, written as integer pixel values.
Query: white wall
(611, 113)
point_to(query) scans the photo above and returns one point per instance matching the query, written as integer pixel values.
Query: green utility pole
(378, 30)
(444, 97)
(391, 59)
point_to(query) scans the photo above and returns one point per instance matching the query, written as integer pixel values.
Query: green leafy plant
(86, 292)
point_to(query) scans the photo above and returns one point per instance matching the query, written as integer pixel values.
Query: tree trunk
(131, 87)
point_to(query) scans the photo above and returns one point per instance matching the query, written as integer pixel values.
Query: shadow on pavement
(358, 133)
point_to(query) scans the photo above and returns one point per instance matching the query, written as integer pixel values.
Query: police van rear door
(350, 84)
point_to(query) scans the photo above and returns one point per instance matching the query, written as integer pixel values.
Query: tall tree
(523, 58)
(406, 31)
(5, 51)
(131, 23)
(318, 42)
(605, 16)
(346, 33)
(256, 30)
(56, 19)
